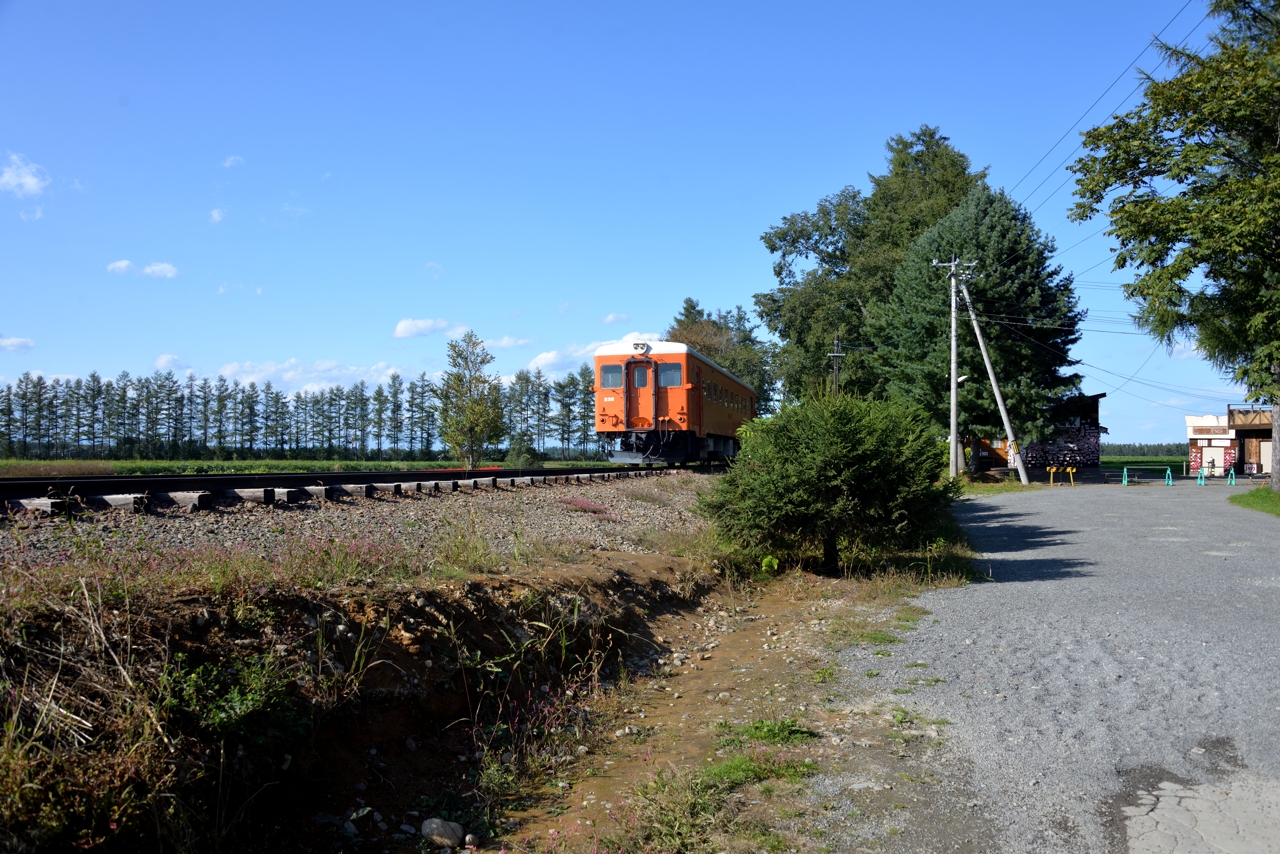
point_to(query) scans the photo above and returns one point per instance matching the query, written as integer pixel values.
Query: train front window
(669, 376)
(611, 376)
(640, 377)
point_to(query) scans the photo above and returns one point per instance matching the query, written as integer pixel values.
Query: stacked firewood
(1073, 446)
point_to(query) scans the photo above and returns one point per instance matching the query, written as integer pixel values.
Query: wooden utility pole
(954, 440)
(835, 366)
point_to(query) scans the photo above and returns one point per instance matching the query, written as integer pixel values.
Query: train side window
(669, 376)
(706, 388)
(640, 376)
(611, 376)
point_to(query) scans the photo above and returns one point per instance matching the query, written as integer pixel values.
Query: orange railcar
(658, 401)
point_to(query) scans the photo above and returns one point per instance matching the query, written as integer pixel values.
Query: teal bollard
(1124, 479)
(1200, 478)
(1231, 477)
(1168, 477)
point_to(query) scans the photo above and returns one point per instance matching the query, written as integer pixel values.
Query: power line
(1119, 77)
(1156, 386)
(1080, 145)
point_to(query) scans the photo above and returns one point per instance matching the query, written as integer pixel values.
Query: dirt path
(886, 781)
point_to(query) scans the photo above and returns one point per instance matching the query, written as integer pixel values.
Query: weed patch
(682, 810)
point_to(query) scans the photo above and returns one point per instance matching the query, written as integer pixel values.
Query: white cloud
(326, 176)
(410, 328)
(296, 210)
(258, 291)
(297, 375)
(564, 306)
(233, 160)
(120, 266)
(616, 318)
(458, 331)
(506, 342)
(12, 344)
(36, 213)
(216, 215)
(434, 268)
(568, 358)
(160, 270)
(169, 362)
(22, 177)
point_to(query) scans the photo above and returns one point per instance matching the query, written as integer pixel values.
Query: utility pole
(835, 366)
(954, 440)
(1013, 448)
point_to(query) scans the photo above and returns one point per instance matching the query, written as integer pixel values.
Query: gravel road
(1123, 658)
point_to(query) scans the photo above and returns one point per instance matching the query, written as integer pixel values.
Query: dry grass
(140, 570)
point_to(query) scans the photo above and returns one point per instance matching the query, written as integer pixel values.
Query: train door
(641, 401)
(696, 404)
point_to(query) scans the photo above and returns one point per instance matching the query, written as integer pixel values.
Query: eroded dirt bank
(532, 699)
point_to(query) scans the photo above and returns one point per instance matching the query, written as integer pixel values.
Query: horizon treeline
(165, 417)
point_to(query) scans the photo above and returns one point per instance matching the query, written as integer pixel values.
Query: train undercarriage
(657, 446)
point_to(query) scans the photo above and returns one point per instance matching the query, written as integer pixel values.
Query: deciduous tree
(836, 263)
(1190, 182)
(470, 400)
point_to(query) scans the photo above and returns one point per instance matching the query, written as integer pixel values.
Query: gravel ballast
(1128, 638)
(616, 515)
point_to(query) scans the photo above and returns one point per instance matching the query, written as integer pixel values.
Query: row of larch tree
(164, 416)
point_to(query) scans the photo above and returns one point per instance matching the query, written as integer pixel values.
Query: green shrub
(247, 700)
(834, 470)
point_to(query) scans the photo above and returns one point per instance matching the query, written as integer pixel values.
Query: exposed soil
(624, 662)
(886, 782)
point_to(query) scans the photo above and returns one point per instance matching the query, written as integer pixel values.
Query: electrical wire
(1119, 77)
(1133, 378)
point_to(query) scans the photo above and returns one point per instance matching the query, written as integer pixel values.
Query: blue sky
(315, 193)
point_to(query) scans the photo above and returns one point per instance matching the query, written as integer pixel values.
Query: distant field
(1174, 463)
(71, 468)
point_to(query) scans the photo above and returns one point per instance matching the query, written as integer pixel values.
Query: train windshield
(669, 376)
(611, 376)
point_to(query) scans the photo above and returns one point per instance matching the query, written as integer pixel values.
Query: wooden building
(1239, 440)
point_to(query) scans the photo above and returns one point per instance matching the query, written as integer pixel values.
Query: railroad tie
(291, 495)
(41, 505)
(253, 496)
(133, 502)
(189, 501)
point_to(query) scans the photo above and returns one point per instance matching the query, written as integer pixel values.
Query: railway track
(139, 493)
